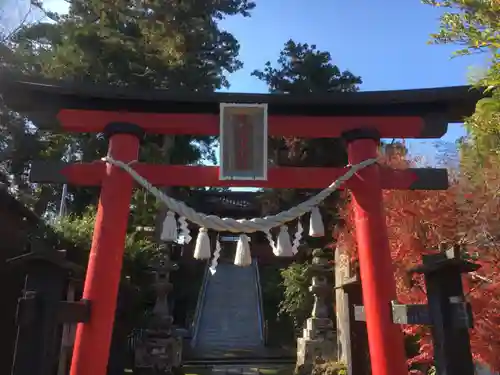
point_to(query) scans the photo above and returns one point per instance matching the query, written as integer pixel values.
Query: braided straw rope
(239, 226)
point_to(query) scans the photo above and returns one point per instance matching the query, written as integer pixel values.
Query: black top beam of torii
(42, 99)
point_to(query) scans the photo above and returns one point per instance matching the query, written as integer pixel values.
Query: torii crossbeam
(124, 115)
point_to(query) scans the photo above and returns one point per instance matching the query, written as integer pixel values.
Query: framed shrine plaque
(243, 141)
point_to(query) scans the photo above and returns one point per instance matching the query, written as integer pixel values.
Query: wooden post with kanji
(125, 115)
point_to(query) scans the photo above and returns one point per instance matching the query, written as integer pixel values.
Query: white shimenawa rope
(264, 224)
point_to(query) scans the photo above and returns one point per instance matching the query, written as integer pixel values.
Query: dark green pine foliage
(302, 69)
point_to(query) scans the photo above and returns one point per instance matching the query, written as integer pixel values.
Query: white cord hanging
(283, 244)
(316, 226)
(239, 226)
(243, 257)
(202, 247)
(169, 228)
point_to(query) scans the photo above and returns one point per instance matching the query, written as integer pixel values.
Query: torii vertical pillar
(385, 339)
(93, 339)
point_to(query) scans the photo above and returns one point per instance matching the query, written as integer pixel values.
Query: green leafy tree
(303, 69)
(298, 300)
(19, 142)
(157, 44)
(474, 25)
(138, 251)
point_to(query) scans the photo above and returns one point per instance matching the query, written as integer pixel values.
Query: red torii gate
(124, 115)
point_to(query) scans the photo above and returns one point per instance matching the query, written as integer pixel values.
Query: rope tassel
(243, 257)
(284, 244)
(169, 228)
(202, 248)
(316, 226)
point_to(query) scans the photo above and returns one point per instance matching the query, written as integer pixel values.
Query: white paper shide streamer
(185, 233)
(215, 259)
(297, 238)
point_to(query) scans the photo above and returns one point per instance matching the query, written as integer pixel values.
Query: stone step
(225, 343)
(209, 339)
(230, 315)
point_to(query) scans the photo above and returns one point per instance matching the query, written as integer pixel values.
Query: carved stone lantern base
(319, 328)
(159, 356)
(309, 351)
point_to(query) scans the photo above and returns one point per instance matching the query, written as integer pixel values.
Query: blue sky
(385, 42)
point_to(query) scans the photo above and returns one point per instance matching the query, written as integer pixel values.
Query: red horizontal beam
(91, 174)
(83, 121)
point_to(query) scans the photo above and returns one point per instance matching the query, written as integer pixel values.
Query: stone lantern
(160, 350)
(319, 339)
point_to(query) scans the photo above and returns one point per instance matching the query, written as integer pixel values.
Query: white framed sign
(243, 141)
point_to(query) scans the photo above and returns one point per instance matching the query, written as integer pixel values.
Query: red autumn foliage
(418, 221)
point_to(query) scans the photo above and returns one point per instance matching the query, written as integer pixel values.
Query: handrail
(260, 309)
(199, 306)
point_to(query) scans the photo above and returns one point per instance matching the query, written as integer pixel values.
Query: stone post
(318, 342)
(68, 334)
(342, 275)
(159, 351)
(40, 311)
(352, 337)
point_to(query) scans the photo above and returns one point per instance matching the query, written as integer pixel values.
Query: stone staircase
(230, 316)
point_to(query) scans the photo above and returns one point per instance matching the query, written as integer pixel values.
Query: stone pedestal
(318, 342)
(313, 346)
(159, 355)
(311, 351)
